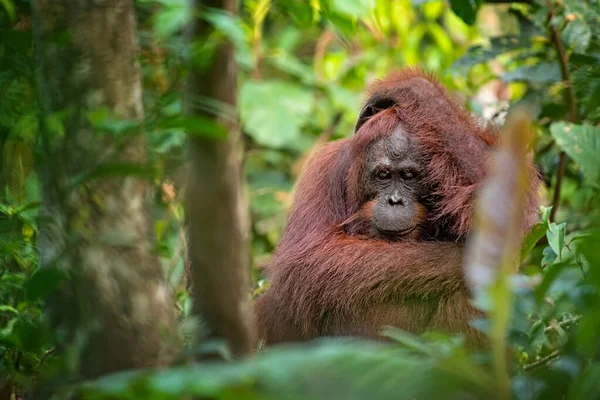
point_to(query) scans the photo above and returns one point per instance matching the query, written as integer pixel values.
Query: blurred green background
(304, 67)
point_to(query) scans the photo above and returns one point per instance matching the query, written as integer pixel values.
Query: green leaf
(103, 119)
(533, 236)
(300, 11)
(466, 9)
(556, 238)
(115, 170)
(344, 24)
(498, 45)
(43, 283)
(170, 20)
(577, 35)
(274, 111)
(545, 214)
(582, 144)
(353, 8)
(7, 308)
(442, 39)
(549, 257)
(543, 72)
(196, 125)
(408, 340)
(324, 369)
(232, 27)
(9, 8)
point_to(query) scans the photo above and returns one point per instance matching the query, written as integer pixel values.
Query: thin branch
(564, 323)
(542, 361)
(46, 354)
(570, 100)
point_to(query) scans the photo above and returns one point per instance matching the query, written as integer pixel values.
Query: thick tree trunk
(216, 206)
(101, 231)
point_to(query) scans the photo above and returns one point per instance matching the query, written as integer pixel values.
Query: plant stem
(570, 100)
(542, 361)
(563, 324)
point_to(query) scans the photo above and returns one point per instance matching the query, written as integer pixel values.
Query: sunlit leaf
(273, 111)
(353, 8)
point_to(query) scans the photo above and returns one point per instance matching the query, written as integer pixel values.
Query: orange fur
(328, 279)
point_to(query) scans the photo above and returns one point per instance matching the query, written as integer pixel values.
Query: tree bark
(216, 208)
(115, 301)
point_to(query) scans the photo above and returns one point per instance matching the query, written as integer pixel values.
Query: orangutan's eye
(384, 174)
(408, 174)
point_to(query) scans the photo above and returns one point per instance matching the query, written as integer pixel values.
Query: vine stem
(542, 361)
(570, 99)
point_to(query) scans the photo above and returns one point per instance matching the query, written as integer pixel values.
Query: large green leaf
(274, 111)
(582, 144)
(326, 369)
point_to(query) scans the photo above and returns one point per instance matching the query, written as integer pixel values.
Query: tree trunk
(115, 301)
(216, 208)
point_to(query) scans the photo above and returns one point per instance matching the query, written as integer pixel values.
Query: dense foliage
(304, 65)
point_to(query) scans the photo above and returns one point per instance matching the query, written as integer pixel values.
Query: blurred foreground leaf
(493, 250)
(325, 369)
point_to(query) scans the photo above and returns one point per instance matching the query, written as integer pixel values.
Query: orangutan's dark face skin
(392, 181)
